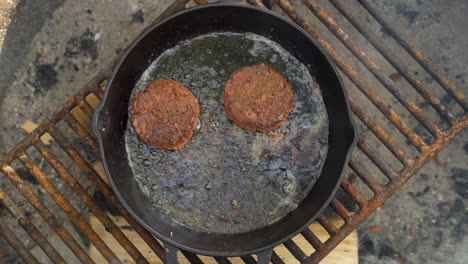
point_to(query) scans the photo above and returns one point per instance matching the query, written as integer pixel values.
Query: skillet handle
(264, 256)
(171, 253)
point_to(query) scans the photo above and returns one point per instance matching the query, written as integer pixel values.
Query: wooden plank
(83, 119)
(97, 166)
(92, 100)
(345, 252)
(28, 126)
(8, 5)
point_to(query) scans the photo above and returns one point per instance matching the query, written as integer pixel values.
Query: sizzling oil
(227, 179)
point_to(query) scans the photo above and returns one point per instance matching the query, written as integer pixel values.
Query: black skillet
(111, 118)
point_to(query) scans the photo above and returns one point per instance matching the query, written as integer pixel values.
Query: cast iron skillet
(111, 118)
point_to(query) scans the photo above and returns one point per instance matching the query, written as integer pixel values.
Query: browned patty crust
(258, 98)
(165, 114)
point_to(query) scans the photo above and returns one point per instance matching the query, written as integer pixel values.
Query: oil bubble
(273, 58)
(197, 127)
(286, 186)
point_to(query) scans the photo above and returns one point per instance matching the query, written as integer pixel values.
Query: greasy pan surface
(111, 121)
(228, 179)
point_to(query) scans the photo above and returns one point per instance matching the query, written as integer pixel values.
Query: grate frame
(359, 169)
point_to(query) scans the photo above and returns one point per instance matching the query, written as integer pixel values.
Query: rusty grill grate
(389, 150)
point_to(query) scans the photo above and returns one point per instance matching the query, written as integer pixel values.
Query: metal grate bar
(391, 188)
(78, 220)
(33, 232)
(53, 222)
(353, 75)
(104, 188)
(410, 105)
(222, 260)
(248, 259)
(87, 109)
(193, 258)
(109, 226)
(422, 158)
(295, 250)
(418, 56)
(57, 115)
(83, 134)
(375, 189)
(17, 245)
(375, 157)
(201, 2)
(355, 195)
(379, 132)
(412, 137)
(397, 64)
(275, 259)
(364, 176)
(257, 3)
(82, 121)
(100, 92)
(312, 238)
(329, 226)
(340, 209)
(106, 191)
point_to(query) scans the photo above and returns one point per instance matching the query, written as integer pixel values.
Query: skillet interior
(228, 179)
(112, 119)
